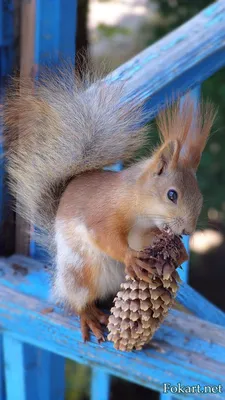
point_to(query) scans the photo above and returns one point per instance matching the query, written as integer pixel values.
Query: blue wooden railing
(35, 343)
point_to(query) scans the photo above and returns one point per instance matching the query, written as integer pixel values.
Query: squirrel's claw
(139, 273)
(91, 320)
(136, 267)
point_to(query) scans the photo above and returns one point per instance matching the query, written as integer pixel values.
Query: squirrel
(96, 221)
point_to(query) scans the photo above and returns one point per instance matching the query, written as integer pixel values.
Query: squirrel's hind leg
(75, 286)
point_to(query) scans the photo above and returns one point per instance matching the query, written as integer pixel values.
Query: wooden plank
(176, 63)
(33, 279)
(192, 350)
(36, 282)
(199, 306)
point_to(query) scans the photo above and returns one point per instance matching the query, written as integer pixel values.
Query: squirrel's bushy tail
(63, 128)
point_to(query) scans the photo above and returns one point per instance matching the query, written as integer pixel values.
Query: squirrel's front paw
(136, 266)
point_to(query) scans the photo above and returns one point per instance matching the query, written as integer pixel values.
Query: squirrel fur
(95, 222)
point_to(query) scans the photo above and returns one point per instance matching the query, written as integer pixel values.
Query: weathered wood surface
(178, 62)
(192, 351)
(36, 283)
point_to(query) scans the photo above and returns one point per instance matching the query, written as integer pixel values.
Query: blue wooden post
(100, 385)
(6, 65)
(15, 377)
(1, 221)
(195, 93)
(2, 199)
(55, 29)
(6, 37)
(184, 276)
(32, 373)
(26, 372)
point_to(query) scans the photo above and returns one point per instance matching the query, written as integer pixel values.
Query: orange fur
(110, 219)
(190, 124)
(87, 279)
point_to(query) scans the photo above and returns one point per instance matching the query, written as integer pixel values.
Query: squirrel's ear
(166, 157)
(194, 144)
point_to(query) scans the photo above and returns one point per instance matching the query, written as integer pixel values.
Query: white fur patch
(110, 272)
(140, 236)
(111, 276)
(65, 289)
(64, 252)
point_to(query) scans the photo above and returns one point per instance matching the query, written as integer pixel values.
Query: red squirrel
(95, 222)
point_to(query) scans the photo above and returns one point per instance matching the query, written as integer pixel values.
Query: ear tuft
(196, 140)
(190, 123)
(175, 121)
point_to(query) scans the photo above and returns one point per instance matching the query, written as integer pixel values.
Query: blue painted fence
(35, 344)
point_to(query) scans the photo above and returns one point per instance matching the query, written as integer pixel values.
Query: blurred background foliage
(169, 15)
(77, 381)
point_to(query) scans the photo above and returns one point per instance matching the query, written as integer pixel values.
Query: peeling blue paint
(210, 10)
(174, 42)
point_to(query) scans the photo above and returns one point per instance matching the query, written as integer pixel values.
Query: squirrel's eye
(172, 195)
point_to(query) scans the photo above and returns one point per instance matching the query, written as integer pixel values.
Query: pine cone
(141, 307)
